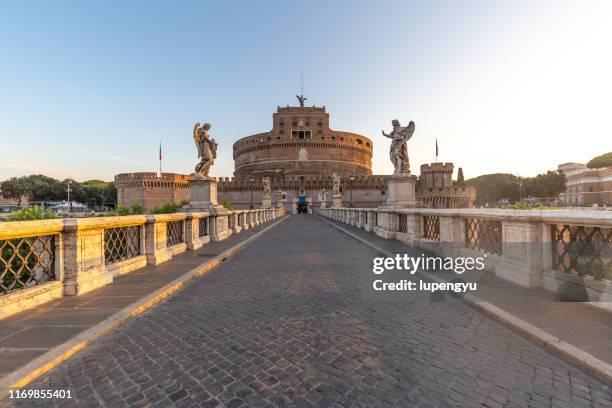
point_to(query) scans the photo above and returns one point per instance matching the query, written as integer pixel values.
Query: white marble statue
(207, 148)
(336, 185)
(267, 187)
(398, 153)
(323, 195)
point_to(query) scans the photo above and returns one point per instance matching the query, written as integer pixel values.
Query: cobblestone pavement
(286, 323)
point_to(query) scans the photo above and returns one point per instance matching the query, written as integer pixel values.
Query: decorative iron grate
(203, 227)
(431, 227)
(403, 223)
(484, 235)
(174, 233)
(582, 250)
(121, 243)
(26, 262)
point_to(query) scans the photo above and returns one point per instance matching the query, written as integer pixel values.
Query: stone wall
(150, 191)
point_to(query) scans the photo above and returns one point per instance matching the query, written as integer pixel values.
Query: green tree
(548, 185)
(38, 187)
(605, 160)
(490, 188)
(16, 188)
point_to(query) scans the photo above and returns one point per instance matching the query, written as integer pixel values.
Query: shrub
(525, 206)
(33, 213)
(226, 205)
(137, 209)
(168, 208)
(122, 210)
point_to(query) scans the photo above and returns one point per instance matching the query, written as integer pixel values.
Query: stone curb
(571, 354)
(58, 354)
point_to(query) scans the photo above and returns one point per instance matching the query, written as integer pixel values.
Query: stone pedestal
(266, 202)
(203, 192)
(401, 192)
(337, 201)
(323, 204)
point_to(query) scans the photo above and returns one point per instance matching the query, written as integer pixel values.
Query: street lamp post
(69, 202)
(252, 180)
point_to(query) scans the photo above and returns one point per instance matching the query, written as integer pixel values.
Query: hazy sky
(88, 90)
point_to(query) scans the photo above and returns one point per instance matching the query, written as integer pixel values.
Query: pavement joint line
(58, 354)
(554, 345)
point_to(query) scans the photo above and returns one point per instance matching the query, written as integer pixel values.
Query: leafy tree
(605, 160)
(491, 188)
(547, 185)
(16, 188)
(94, 193)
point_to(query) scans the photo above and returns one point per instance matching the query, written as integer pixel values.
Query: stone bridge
(289, 319)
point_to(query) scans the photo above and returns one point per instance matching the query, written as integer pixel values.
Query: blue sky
(88, 90)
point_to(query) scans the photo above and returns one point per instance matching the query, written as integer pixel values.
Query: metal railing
(122, 243)
(484, 235)
(26, 262)
(582, 250)
(402, 225)
(202, 227)
(174, 233)
(431, 227)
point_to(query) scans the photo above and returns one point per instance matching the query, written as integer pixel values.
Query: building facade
(585, 186)
(299, 154)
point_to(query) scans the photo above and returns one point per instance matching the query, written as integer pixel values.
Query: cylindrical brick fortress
(302, 144)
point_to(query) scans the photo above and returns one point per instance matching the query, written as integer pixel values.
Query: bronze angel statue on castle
(207, 148)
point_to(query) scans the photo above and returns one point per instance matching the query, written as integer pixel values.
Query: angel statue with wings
(336, 185)
(323, 195)
(398, 151)
(267, 187)
(207, 148)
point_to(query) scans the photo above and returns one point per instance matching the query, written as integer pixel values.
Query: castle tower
(436, 175)
(301, 144)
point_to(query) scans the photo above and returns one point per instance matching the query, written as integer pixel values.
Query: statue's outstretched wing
(409, 131)
(213, 148)
(196, 138)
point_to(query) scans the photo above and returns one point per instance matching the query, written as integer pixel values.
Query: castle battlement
(437, 167)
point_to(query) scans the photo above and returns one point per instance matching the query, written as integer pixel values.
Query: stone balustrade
(568, 252)
(47, 259)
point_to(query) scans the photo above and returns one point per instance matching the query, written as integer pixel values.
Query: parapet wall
(151, 191)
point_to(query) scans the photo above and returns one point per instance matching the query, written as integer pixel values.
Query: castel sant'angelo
(299, 155)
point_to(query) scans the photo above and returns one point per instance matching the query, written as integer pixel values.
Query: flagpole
(436, 150)
(160, 159)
